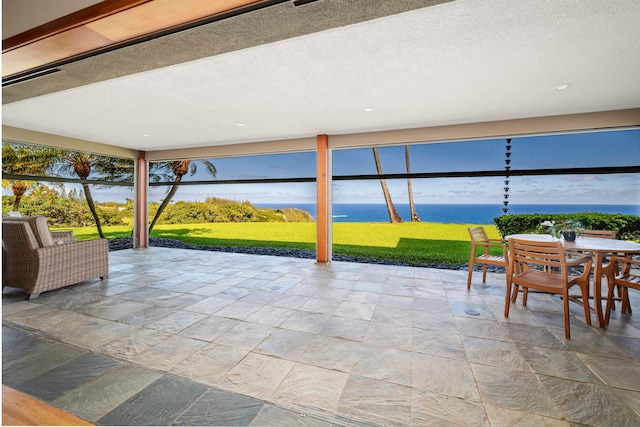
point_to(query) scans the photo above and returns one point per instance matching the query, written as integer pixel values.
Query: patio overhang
(262, 77)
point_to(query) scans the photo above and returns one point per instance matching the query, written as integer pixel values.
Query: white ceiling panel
(461, 62)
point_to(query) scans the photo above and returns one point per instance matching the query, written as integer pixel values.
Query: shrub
(627, 227)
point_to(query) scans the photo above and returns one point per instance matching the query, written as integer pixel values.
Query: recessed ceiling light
(240, 124)
(145, 134)
(368, 110)
(563, 86)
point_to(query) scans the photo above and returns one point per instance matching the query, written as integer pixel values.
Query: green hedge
(627, 227)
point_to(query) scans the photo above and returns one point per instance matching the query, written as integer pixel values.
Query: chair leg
(470, 274)
(585, 303)
(626, 304)
(516, 289)
(507, 301)
(484, 273)
(607, 310)
(565, 303)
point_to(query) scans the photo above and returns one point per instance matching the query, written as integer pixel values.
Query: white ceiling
(461, 62)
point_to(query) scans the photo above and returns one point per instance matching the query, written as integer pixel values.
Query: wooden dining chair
(623, 280)
(479, 239)
(543, 266)
(601, 234)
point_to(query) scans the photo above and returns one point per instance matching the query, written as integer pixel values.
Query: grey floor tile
(209, 328)
(94, 399)
(54, 383)
(350, 329)
(311, 386)
(147, 315)
(159, 404)
(332, 353)
(630, 397)
(210, 364)
(615, 372)
(245, 335)
(112, 308)
(482, 329)
(533, 336)
(273, 416)
(40, 360)
(438, 343)
(176, 322)
(429, 408)
(376, 401)
(168, 353)
(443, 322)
(393, 336)
(558, 363)
(506, 417)
(257, 376)
(589, 404)
(17, 343)
(220, 408)
(515, 390)
(285, 344)
(443, 375)
(629, 344)
(384, 363)
(305, 321)
(130, 345)
(494, 353)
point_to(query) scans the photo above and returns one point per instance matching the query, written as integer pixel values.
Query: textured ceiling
(464, 61)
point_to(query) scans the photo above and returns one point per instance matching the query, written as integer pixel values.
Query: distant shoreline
(451, 213)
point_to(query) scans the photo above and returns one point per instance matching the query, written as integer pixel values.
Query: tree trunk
(92, 208)
(394, 218)
(18, 188)
(412, 206)
(163, 205)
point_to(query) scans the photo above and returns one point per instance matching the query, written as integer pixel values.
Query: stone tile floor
(182, 337)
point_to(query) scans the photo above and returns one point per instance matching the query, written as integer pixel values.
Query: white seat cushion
(40, 228)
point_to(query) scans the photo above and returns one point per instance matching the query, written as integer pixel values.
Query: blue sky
(620, 148)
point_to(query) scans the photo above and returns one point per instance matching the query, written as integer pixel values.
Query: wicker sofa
(38, 260)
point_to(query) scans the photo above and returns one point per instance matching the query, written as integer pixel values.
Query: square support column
(323, 200)
(140, 202)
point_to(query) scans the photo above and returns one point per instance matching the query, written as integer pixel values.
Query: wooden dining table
(600, 248)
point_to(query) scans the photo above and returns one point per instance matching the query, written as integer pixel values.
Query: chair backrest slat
(478, 234)
(548, 254)
(603, 234)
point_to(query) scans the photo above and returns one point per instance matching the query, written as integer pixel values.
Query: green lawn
(422, 242)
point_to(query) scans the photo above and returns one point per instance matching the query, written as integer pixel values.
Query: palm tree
(82, 164)
(394, 218)
(412, 205)
(174, 171)
(23, 159)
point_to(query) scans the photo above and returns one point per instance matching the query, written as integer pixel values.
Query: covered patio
(209, 338)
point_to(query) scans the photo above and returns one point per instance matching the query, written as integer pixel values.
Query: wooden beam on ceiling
(104, 25)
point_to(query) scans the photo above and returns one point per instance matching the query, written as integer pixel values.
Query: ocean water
(448, 213)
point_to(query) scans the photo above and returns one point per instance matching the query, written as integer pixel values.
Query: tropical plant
(23, 159)
(394, 218)
(174, 171)
(412, 205)
(83, 164)
(564, 225)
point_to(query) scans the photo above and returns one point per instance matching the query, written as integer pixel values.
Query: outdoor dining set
(545, 263)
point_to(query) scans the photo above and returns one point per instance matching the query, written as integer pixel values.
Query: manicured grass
(423, 242)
